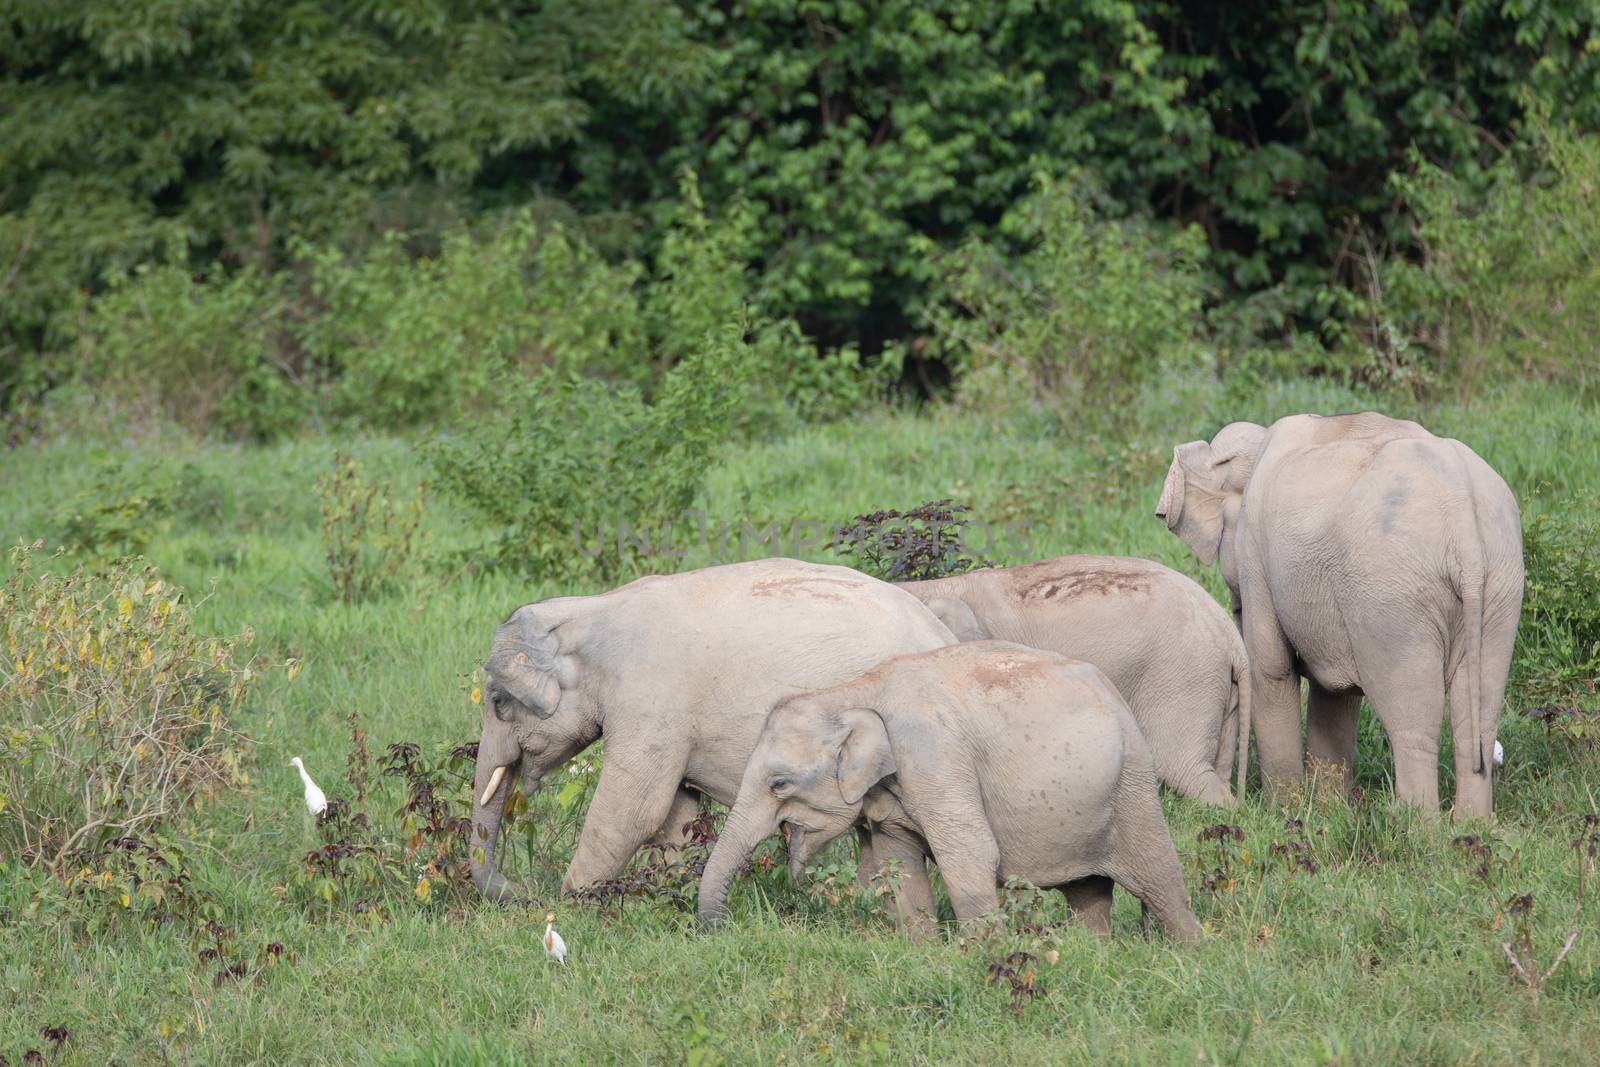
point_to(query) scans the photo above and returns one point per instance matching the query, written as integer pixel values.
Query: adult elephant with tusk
(677, 673)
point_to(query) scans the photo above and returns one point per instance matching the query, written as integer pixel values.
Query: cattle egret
(316, 800)
(554, 947)
(1499, 754)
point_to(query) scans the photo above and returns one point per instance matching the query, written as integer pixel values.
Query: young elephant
(1169, 648)
(997, 760)
(1373, 558)
(676, 672)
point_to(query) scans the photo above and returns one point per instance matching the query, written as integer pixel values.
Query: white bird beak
(494, 784)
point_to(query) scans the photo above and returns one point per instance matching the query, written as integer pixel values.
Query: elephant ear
(1203, 477)
(1191, 500)
(523, 663)
(959, 618)
(864, 757)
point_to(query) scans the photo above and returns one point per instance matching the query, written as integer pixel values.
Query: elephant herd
(1014, 722)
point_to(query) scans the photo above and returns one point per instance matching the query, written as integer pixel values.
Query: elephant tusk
(494, 783)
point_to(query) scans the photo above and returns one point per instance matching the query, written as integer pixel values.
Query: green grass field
(1388, 951)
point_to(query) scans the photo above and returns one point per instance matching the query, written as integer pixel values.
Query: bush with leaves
(1557, 659)
(365, 866)
(572, 460)
(899, 546)
(1508, 281)
(370, 539)
(117, 514)
(117, 714)
(224, 131)
(206, 354)
(409, 340)
(1079, 321)
(135, 880)
(126, 502)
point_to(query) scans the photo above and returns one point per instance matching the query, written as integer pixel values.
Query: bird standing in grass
(554, 947)
(316, 799)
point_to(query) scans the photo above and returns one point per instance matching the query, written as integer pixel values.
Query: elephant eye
(780, 784)
(501, 706)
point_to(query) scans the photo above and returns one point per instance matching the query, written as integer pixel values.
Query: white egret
(554, 947)
(316, 799)
(1499, 754)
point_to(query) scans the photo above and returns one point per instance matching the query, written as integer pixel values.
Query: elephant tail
(1241, 704)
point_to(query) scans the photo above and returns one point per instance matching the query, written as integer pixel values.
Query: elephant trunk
(741, 834)
(490, 789)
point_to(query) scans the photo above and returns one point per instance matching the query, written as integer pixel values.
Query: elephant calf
(1169, 648)
(998, 760)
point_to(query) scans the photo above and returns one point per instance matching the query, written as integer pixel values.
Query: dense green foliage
(1090, 312)
(569, 463)
(215, 136)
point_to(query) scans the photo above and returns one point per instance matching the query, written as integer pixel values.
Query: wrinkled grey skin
(1370, 557)
(676, 673)
(997, 760)
(1169, 648)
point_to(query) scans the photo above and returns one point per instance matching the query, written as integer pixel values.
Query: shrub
(573, 459)
(161, 345)
(416, 340)
(128, 880)
(701, 284)
(1508, 282)
(1558, 642)
(117, 711)
(128, 502)
(117, 514)
(360, 869)
(368, 537)
(897, 546)
(1083, 317)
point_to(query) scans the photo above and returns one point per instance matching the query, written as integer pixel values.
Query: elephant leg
(1475, 788)
(970, 864)
(1207, 786)
(1144, 861)
(913, 896)
(1275, 700)
(627, 810)
(1172, 708)
(670, 834)
(1407, 693)
(1090, 901)
(1331, 730)
(1274, 691)
(1156, 878)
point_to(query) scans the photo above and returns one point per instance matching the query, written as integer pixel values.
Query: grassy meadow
(1337, 932)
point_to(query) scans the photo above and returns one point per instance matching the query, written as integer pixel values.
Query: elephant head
(534, 718)
(811, 768)
(1201, 496)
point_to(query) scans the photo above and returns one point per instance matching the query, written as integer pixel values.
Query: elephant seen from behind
(1372, 558)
